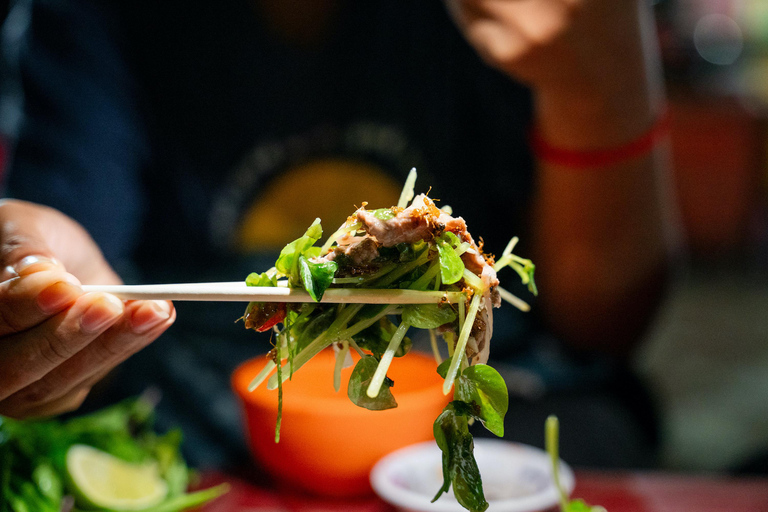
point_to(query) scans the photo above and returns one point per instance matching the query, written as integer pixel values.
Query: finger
(28, 229)
(541, 22)
(512, 32)
(68, 402)
(28, 300)
(142, 323)
(29, 265)
(497, 43)
(20, 234)
(495, 40)
(27, 356)
(527, 12)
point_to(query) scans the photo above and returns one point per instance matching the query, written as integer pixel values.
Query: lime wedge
(102, 480)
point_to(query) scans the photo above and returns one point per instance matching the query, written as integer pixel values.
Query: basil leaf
(316, 277)
(460, 470)
(451, 266)
(428, 316)
(482, 387)
(358, 384)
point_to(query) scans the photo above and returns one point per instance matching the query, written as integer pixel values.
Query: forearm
(602, 249)
(603, 235)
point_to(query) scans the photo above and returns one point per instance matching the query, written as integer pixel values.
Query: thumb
(23, 249)
(35, 237)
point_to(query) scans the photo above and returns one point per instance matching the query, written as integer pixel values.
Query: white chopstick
(238, 291)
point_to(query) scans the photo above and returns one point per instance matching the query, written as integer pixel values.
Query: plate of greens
(108, 460)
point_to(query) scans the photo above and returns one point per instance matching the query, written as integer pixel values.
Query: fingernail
(101, 314)
(9, 273)
(58, 296)
(34, 263)
(149, 315)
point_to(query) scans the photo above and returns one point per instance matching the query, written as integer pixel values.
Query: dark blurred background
(707, 356)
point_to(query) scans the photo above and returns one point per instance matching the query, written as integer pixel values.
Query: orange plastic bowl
(327, 444)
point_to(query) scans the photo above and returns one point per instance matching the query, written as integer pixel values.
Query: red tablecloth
(617, 492)
(664, 492)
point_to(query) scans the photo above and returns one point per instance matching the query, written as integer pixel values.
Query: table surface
(616, 491)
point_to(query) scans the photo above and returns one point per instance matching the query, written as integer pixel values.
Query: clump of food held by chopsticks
(412, 246)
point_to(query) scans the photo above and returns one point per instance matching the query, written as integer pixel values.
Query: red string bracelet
(583, 159)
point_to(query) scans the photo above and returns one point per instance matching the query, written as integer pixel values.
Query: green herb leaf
(369, 311)
(287, 262)
(376, 338)
(428, 316)
(48, 482)
(316, 277)
(32, 455)
(442, 368)
(451, 266)
(263, 279)
(360, 380)
(172, 467)
(407, 252)
(482, 387)
(525, 269)
(579, 505)
(384, 213)
(279, 421)
(7, 456)
(460, 469)
(307, 331)
(186, 501)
